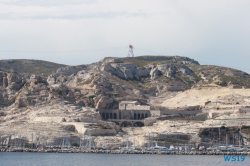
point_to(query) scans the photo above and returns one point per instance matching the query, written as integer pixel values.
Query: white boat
(231, 148)
(241, 149)
(176, 148)
(228, 148)
(172, 147)
(105, 148)
(201, 148)
(126, 148)
(211, 149)
(193, 149)
(159, 148)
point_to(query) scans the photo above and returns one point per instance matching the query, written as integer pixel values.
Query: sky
(74, 32)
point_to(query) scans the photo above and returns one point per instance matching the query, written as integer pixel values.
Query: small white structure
(210, 115)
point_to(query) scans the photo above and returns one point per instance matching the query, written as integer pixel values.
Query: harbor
(126, 146)
(122, 152)
(213, 141)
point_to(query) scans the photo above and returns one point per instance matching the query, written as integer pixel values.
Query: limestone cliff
(65, 99)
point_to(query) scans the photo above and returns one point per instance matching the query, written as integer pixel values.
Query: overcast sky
(75, 32)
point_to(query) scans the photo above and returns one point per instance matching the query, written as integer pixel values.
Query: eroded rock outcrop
(61, 74)
(103, 102)
(131, 71)
(154, 73)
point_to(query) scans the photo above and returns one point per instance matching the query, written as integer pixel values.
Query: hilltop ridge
(29, 66)
(110, 80)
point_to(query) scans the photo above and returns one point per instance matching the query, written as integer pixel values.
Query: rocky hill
(105, 83)
(47, 98)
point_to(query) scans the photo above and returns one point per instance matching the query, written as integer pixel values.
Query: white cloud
(78, 32)
(47, 2)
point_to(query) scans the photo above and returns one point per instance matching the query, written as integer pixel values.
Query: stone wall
(133, 107)
(138, 107)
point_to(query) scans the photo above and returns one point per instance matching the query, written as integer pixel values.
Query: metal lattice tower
(130, 51)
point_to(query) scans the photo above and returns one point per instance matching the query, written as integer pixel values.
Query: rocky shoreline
(121, 152)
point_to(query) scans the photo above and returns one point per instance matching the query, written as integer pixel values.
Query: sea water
(84, 159)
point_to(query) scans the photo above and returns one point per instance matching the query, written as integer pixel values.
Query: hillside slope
(28, 66)
(68, 99)
(200, 96)
(105, 83)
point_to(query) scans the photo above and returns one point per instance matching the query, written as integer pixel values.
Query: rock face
(169, 70)
(131, 71)
(61, 73)
(103, 102)
(154, 73)
(122, 70)
(104, 84)
(10, 83)
(183, 60)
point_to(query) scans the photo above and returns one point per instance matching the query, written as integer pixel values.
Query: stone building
(133, 110)
(127, 110)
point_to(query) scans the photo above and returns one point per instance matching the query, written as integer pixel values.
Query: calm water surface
(58, 159)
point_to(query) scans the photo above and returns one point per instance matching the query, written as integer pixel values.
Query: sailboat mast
(219, 136)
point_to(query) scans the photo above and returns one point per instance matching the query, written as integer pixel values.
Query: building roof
(128, 102)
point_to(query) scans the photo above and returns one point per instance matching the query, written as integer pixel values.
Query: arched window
(146, 115)
(134, 115)
(103, 115)
(138, 124)
(107, 115)
(110, 116)
(139, 116)
(142, 116)
(115, 116)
